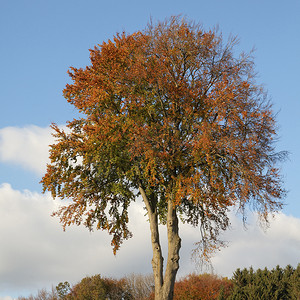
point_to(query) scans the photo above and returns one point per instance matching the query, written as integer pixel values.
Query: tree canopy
(277, 283)
(171, 114)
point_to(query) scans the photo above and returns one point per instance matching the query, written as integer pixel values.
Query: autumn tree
(96, 287)
(172, 115)
(204, 287)
(62, 289)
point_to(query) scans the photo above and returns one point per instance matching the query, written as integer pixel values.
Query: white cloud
(27, 146)
(278, 245)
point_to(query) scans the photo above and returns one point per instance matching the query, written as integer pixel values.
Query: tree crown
(173, 110)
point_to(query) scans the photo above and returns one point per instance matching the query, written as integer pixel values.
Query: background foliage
(278, 283)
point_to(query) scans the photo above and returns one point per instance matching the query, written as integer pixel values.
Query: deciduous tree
(170, 114)
(204, 287)
(139, 286)
(96, 287)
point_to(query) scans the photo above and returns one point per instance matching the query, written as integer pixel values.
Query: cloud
(277, 245)
(35, 253)
(27, 146)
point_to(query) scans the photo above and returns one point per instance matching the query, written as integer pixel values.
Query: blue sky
(40, 40)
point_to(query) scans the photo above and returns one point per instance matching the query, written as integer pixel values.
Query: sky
(40, 40)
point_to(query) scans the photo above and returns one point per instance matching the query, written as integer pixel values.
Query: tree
(204, 287)
(96, 287)
(62, 289)
(264, 284)
(42, 294)
(140, 287)
(171, 115)
(295, 283)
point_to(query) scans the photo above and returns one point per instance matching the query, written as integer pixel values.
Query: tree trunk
(174, 244)
(157, 260)
(164, 285)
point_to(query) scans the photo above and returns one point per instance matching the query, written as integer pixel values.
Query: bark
(164, 285)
